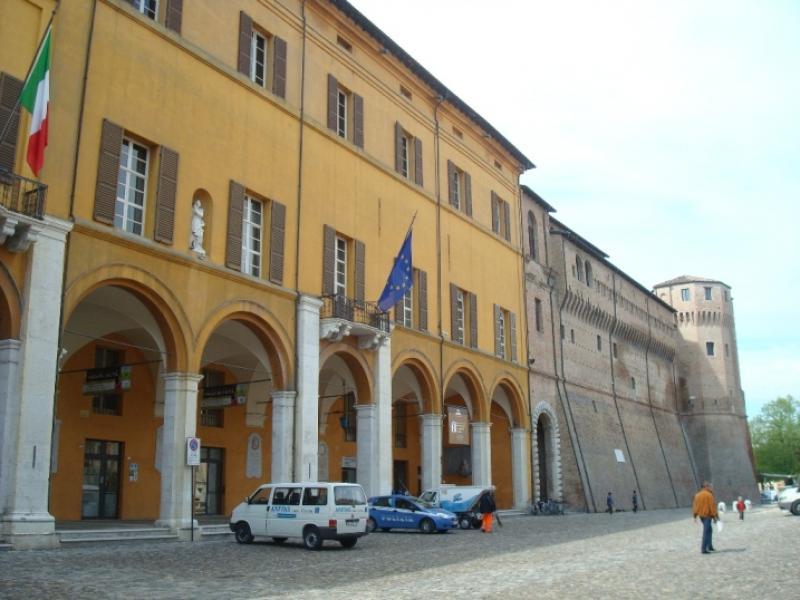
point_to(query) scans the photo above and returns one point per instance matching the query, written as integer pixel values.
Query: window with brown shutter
(279, 67)
(245, 41)
(457, 310)
(10, 89)
(165, 196)
(328, 259)
(467, 194)
(360, 271)
(422, 299)
(473, 320)
(512, 335)
(358, 120)
(498, 334)
(174, 15)
(233, 254)
(507, 221)
(398, 149)
(276, 242)
(453, 185)
(107, 172)
(418, 161)
(495, 213)
(333, 94)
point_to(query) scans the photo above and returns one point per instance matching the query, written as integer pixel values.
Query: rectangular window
(350, 419)
(458, 175)
(131, 187)
(537, 310)
(258, 58)
(709, 348)
(340, 271)
(633, 383)
(408, 308)
(501, 333)
(685, 294)
(405, 154)
(252, 229)
(727, 350)
(212, 417)
(572, 335)
(107, 404)
(149, 8)
(599, 344)
(458, 334)
(614, 349)
(707, 291)
(563, 332)
(501, 217)
(342, 98)
(344, 43)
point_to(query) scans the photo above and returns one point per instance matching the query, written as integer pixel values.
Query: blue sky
(666, 133)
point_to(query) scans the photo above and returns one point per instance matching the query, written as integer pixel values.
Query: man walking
(705, 507)
(610, 504)
(635, 502)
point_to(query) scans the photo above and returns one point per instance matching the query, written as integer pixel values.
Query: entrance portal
(101, 479)
(208, 483)
(542, 450)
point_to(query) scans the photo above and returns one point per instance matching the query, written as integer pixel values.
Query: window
(107, 404)
(149, 8)
(131, 187)
(599, 344)
(404, 309)
(343, 43)
(315, 496)
(458, 333)
(709, 348)
(501, 333)
(459, 187)
(408, 154)
(406, 92)
(463, 317)
(707, 291)
(455, 189)
(252, 231)
(345, 112)
(589, 278)
(341, 113)
(258, 58)
(458, 133)
(497, 165)
(505, 333)
(727, 350)
(532, 236)
(399, 423)
(349, 419)
(563, 332)
(501, 217)
(537, 311)
(579, 268)
(633, 383)
(572, 335)
(405, 153)
(340, 272)
(262, 55)
(614, 349)
(287, 496)
(212, 417)
(725, 294)
(685, 294)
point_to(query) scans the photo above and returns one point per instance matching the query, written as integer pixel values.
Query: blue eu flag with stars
(400, 279)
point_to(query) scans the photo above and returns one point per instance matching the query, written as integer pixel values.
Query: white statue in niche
(198, 227)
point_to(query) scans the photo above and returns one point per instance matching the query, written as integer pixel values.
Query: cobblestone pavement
(653, 554)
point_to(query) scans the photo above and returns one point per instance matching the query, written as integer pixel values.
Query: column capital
(309, 303)
(10, 345)
(178, 377)
(480, 426)
(430, 419)
(284, 398)
(519, 432)
(366, 408)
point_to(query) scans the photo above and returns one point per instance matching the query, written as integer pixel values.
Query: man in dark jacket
(487, 507)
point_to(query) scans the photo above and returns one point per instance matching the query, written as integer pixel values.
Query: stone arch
(475, 386)
(424, 372)
(9, 306)
(359, 369)
(264, 326)
(519, 416)
(149, 290)
(552, 451)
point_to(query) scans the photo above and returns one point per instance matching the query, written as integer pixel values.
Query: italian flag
(36, 99)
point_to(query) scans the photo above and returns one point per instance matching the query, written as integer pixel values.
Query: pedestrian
(487, 508)
(610, 504)
(635, 502)
(704, 506)
(741, 506)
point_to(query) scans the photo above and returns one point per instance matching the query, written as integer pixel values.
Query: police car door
(284, 512)
(404, 513)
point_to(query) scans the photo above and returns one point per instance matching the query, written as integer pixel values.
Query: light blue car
(405, 512)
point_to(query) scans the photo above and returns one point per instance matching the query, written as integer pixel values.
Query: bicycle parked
(547, 507)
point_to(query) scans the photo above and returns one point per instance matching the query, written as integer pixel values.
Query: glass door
(101, 479)
(209, 482)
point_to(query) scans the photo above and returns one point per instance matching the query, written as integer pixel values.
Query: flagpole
(28, 74)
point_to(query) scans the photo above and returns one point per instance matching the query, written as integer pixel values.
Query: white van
(313, 511)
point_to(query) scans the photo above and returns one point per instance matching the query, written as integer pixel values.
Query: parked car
(313, 511)
(789, 499)
(404, 512)
(769, 496)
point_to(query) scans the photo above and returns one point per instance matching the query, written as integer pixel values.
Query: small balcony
(341, 316)
(22, 204)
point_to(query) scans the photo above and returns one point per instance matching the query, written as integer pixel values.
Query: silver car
(789, 499)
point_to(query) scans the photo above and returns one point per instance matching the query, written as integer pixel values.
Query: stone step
(68, 536)
(4, 547)
(216, 532)
(130, 538)
(511, 513)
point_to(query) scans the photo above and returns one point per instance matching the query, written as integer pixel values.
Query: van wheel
(427, 526)
(465, 522)
(348, 542)
(242, 533)
(371, 525)
(279, 540)
(312, 540)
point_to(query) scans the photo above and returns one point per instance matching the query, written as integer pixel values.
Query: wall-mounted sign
(193, 452)
(107, 379)
(349, 462)
(219, 396)
(458, 425)
(620, 456)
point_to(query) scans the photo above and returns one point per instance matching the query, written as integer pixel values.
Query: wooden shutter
(467, 194)
(174, 15)
(333, 90)
(233, 254)
(398, 147)
(328, 259)
(418, 161)
(279, 67)
(358, 120)
(422, 299)
(451, 190)
(512, 335)
(105, 195)
(507, 217)
(165, 196)
(245, 40)
(495, 213)
(10, 89)
(453, 309)
(497, 331)
(276, 242)
(360, 271)
(473, 320)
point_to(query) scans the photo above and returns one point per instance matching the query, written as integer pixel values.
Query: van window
(315, 496)
(348, 495)
(260, 497)
(286, 496)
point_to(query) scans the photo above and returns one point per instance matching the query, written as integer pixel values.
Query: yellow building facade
(227, 186)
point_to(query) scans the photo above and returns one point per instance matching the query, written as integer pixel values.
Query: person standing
(704, 506)
(487, 508)
(635, 501)
(610, 504)
(741, 506)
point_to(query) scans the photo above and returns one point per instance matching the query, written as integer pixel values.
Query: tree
(776, 437)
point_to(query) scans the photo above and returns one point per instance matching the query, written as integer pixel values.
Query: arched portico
(509, 444)
(9, 306)
(546, 453)
(465, 444)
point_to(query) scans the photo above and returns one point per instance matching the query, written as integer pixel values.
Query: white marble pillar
(520, 467)
(180, 422)
(283, 404)
(306, 422)
(9, 416)
(382, 376)
(431, 445)
(481, 454)
(26, 520)
(367, 449)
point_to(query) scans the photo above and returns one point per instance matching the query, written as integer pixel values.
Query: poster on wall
(457, 426)
(107, 379)
(220, 396)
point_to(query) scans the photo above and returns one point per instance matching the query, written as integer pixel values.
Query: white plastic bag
(719, 526)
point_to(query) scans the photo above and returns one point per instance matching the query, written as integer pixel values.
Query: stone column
(9, 416)
(180, 422)
(481, 454)
(382, 377)
(367, 449)
(431, 445)
(283, 404)
(306, 422)
(26, 521)
(520, 467)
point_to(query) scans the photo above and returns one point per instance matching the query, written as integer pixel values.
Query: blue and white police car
(406, 512)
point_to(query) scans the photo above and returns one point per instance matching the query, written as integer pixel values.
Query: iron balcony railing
(356, 311)
(22, 195)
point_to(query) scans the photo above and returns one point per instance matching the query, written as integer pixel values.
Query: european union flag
(400, 279)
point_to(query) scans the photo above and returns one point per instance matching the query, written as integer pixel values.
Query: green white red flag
(36, 100)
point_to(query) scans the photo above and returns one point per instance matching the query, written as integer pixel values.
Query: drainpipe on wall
(528, 369)
(437, 178)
